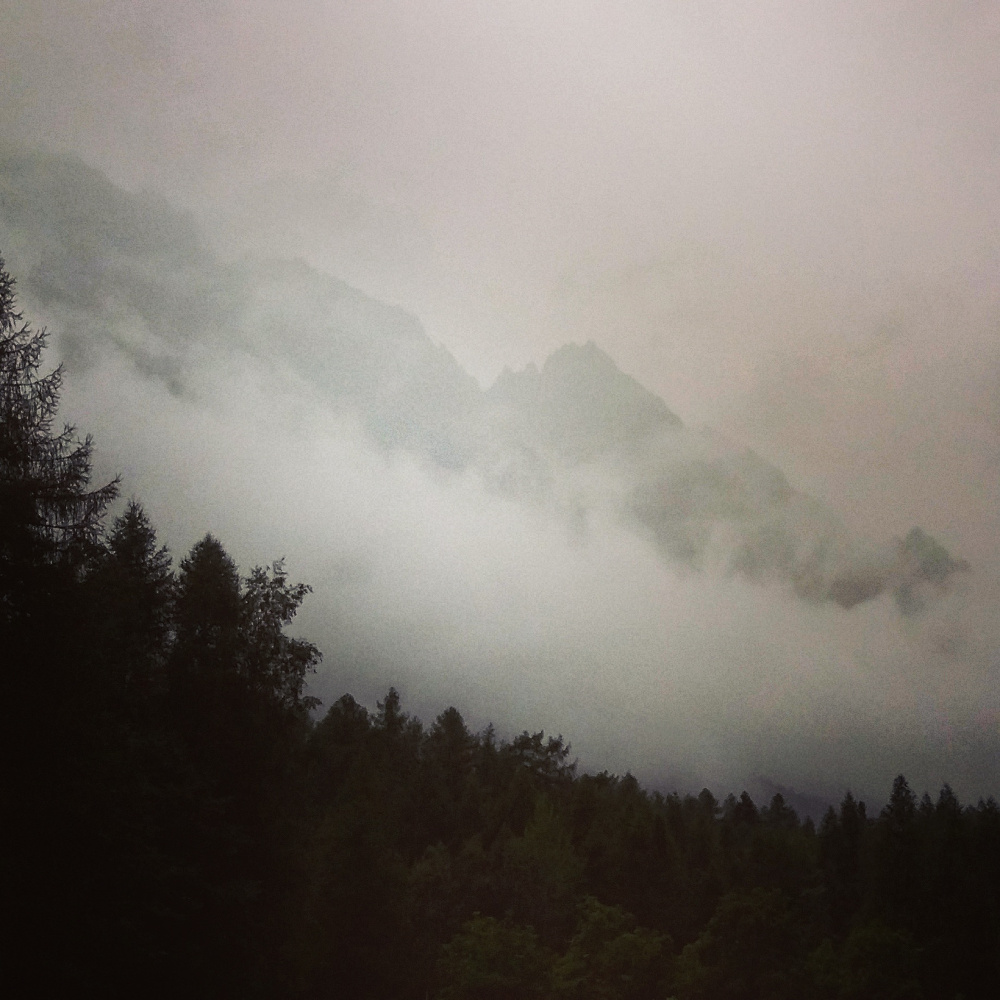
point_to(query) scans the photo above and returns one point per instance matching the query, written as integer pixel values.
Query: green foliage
(879, 963)
(749, 949)
(541, 873)
(491, 959)
(610, 958)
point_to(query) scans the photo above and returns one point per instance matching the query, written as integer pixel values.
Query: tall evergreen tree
(132, 588)
(47, 512)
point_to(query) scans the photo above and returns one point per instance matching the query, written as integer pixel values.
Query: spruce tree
(48, 515)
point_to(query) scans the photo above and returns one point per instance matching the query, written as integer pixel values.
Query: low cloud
(425, 579)
(558, 552)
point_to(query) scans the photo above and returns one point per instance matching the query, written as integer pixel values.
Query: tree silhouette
(273, 663)
(47, 512)
(132, 588)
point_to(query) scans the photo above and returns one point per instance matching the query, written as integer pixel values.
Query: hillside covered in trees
(186, 820)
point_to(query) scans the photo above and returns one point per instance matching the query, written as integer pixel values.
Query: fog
(781, 219)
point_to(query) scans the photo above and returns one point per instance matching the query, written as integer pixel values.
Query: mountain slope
(122, 273)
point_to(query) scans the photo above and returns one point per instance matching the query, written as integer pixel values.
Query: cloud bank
(557, 550)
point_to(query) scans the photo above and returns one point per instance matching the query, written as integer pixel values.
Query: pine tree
(48, 516)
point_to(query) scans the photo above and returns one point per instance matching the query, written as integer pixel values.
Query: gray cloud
(578, 435)
(559, 550)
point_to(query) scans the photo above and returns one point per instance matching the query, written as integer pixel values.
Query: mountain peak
(581, 403)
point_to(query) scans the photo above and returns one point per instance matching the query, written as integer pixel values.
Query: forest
(185, 820)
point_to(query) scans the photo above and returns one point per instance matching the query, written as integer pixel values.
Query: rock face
(580, 406)
(117, 272)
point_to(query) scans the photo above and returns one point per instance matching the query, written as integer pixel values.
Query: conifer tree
(132, 590)
(48, 515)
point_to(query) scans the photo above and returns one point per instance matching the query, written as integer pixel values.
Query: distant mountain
(580, 406)
(127, 273)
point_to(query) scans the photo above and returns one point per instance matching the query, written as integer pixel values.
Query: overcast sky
(781, 216)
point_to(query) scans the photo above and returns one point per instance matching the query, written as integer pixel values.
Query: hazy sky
(781, 216)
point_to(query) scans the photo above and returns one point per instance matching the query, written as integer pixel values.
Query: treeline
(181, 825)
(441, 862)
